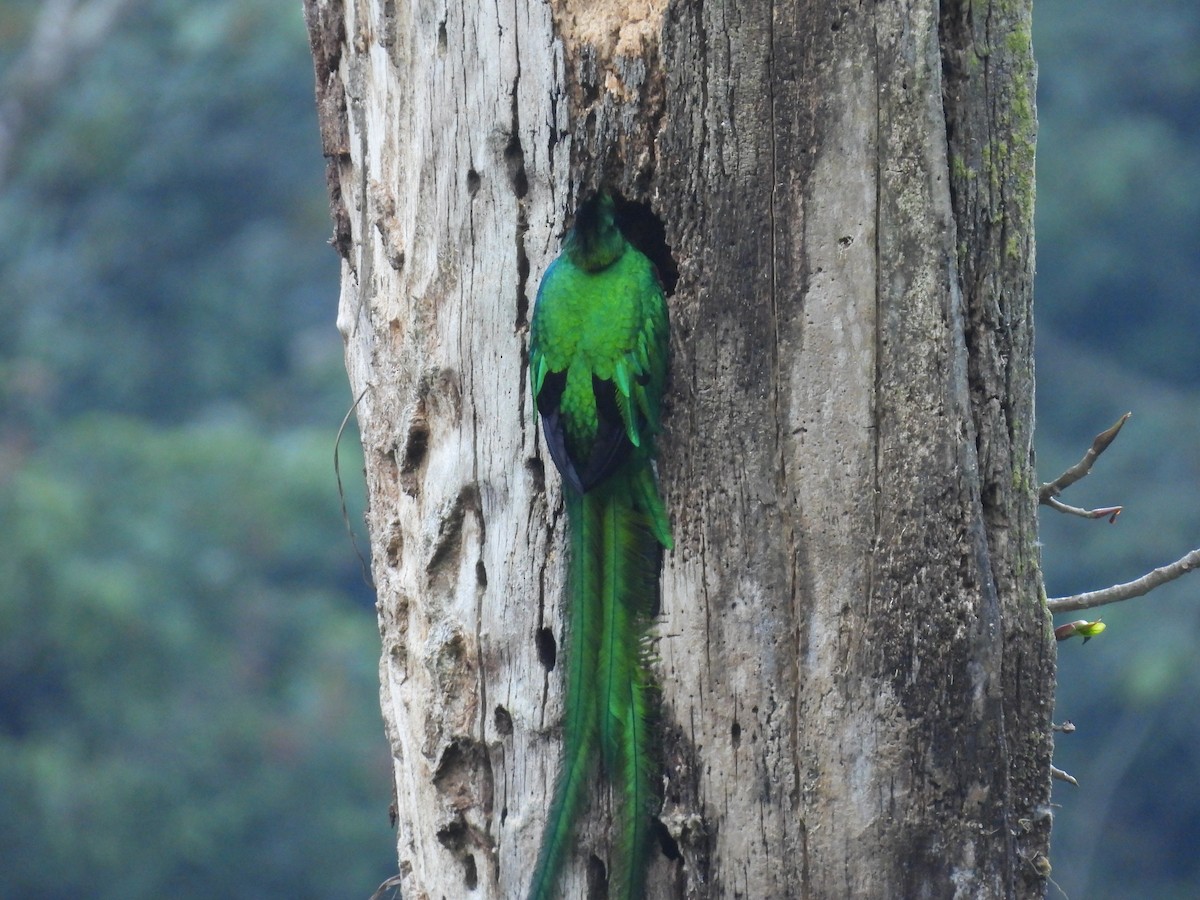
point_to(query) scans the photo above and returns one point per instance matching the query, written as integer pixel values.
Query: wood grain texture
(856, 662)
(447, 111)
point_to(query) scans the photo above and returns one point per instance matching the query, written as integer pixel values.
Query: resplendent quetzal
(598, 365)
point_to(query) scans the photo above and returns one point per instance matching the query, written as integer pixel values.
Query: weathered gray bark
(856, 663)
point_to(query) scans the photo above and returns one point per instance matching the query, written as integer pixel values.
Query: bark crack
(877, 466)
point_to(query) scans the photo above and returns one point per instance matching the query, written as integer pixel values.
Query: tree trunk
(856, 662)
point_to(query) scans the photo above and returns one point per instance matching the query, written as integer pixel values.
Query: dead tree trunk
(856, 662)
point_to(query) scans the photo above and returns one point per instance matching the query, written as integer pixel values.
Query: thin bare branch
(1129, 589)
(1056, 772)
(1051, 489)
(337, 474)
(391, 886)
(1109, 512)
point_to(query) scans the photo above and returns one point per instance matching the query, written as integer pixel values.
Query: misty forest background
(188, 698)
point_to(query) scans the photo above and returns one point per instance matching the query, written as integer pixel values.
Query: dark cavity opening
(646, 232)
(547, 649)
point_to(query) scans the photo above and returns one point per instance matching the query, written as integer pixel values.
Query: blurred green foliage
(1118, 330)
(188, 689)
(169, 216)
(1118, 170)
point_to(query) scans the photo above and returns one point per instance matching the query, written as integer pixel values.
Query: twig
(1056, 772)
(1051, 489)
(337, 473)
(1111, 512)
(1129, 589)
(392, 886)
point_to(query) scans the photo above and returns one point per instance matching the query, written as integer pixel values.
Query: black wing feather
(612, 446)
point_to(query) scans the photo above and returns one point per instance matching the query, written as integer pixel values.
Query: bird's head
(595, 241)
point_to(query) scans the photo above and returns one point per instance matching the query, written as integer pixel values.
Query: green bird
(598, 366)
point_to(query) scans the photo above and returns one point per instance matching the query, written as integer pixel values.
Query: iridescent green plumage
(598, 366)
